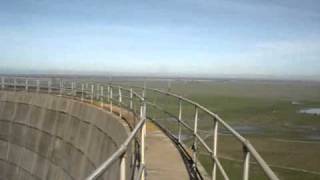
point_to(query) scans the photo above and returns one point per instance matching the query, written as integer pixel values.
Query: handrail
(117, 155)
(95, 94)
(249, 149)
(92, 91)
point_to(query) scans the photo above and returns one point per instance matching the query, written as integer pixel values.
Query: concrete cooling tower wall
(49, 137)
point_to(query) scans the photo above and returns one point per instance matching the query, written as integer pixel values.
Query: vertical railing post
(195, 138)
(143, 134)
(108, 93)
(15, 84)
(120, 102)
(92, 91)
(38, 86)
(111, 98)
(246, 163)
(214, 148)
(72, 89)
(144, 129)
(82, 91)
(179, 120)
(101, 96)
(61, 87)
(49, 86)
(75, 89)
(26, 85)
(2, 83)
(98, 92)
(131, 99)
(123, 167)
(86, 90)
(144, 89)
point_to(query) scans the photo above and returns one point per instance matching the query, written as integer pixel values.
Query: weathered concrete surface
(50, 137)
(163, 160)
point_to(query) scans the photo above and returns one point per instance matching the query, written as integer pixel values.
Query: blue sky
(187, 37)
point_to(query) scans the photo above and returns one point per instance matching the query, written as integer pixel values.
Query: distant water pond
(315, 111)
(314, 137)
(245, 129)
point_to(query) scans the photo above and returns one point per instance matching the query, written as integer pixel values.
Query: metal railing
(248, 149)
(96, 94)
(95, 91)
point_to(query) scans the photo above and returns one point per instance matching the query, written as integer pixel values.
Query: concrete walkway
(163, 160)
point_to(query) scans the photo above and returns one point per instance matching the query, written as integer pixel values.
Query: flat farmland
(267, 112)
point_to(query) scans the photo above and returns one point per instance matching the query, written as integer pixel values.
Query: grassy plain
(264, 111)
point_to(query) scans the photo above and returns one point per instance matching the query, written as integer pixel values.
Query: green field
(265, 112)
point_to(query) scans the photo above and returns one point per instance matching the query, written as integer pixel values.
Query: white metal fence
(129, 98)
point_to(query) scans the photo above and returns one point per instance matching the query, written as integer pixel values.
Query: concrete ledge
(50, 137)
